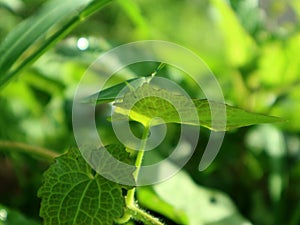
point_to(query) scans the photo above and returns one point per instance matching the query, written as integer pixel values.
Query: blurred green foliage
(251, 46)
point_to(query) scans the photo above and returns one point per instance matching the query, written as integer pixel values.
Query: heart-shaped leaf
(72, 193)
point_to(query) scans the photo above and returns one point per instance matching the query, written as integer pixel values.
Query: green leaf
(12, 217)
(195, 206)
(113, 169)
(12, 5)
(148, 198)
(62, 14)
(133, 11)
(148, 103)
(240, 47)
(72, 193)
(114, 93)
(34, 28)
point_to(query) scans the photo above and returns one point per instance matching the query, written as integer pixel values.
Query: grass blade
(55, 20)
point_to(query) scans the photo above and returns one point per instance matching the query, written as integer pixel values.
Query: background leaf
(12, 217)
(196, 205)
(38, 26)
(73, 194)
(239, 45)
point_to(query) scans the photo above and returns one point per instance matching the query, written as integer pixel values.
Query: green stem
(160, 66)
(131, 210)
(138, 164)
(29, 149)
(140, 215)
(140, 155)
(153, 74)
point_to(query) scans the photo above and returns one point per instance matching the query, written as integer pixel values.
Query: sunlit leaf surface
(171, 108)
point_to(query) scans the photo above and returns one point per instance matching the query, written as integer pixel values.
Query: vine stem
(140, 215)
(29, 149)
(138, 164)
(132, 210)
